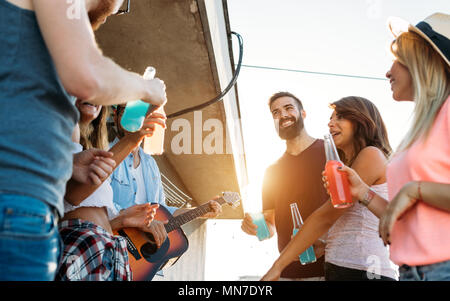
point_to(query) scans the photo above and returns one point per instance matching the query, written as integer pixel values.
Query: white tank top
(353, 241)
(102, 197)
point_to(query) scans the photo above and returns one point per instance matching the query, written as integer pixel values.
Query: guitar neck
(179, 220)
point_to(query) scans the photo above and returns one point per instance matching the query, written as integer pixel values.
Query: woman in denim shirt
(137, 180)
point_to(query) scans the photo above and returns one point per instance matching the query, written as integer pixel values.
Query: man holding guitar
(137, 181)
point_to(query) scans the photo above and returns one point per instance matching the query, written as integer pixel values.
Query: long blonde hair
(95, 134)
(431, 80)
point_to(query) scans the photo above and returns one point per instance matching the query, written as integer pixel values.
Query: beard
(291, 131)
(103, 10)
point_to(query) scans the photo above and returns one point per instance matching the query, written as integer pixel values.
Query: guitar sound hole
(148, 249)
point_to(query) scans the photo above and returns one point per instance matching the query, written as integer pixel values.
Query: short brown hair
(285, 94)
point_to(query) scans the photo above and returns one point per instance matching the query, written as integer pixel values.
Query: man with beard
(49, 57)
(295, 178)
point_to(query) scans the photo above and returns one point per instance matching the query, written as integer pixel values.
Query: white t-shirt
(138, 176)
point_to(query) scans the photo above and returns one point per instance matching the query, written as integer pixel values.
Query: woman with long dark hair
(354, 250)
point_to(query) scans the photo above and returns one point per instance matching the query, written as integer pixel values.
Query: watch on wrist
(367, 197)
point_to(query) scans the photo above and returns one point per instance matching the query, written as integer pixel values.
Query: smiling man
(294, 178)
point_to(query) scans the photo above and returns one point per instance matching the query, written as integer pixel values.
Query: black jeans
(337, 273)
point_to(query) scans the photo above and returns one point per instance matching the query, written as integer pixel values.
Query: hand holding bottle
(136, 110)
(248, 226)
(338, 188)
(156, 88)
(150, 122)
(357, 187)
(156, 92)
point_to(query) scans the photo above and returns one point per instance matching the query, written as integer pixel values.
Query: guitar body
(146, 259)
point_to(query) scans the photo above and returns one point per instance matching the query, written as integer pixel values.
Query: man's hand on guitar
(216, 209)
(164, 240)
(158, 230)
(139, 216)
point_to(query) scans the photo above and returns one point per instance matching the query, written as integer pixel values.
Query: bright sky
(341, 37)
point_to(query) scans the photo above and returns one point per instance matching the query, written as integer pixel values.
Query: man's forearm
(84, 72)
(114, 85)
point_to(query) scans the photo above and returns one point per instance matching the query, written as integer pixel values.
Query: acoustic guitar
(145, 258)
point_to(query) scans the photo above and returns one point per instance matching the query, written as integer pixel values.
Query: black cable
(224, 92)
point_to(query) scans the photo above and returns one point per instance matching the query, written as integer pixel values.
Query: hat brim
(397, 26)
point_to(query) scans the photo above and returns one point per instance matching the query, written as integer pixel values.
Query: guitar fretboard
(177, 221)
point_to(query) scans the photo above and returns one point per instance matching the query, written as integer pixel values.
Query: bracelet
(367, 198)
(419, 192)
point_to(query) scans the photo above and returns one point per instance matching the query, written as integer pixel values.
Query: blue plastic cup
(262, 231)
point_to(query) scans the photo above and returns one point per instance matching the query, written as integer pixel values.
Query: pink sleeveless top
(422, 235)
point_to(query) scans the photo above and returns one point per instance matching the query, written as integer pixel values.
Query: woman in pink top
(416, 220)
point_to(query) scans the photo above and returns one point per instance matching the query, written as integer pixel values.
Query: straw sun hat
(435, 29)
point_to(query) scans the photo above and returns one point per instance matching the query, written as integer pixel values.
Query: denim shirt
(125, 187)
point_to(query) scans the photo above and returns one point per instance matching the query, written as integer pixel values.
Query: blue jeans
(30, 244)
(433, 272)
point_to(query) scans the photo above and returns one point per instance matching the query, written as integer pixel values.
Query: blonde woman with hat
(415, 222)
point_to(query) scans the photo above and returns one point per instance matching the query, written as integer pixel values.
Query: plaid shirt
(92, 253)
